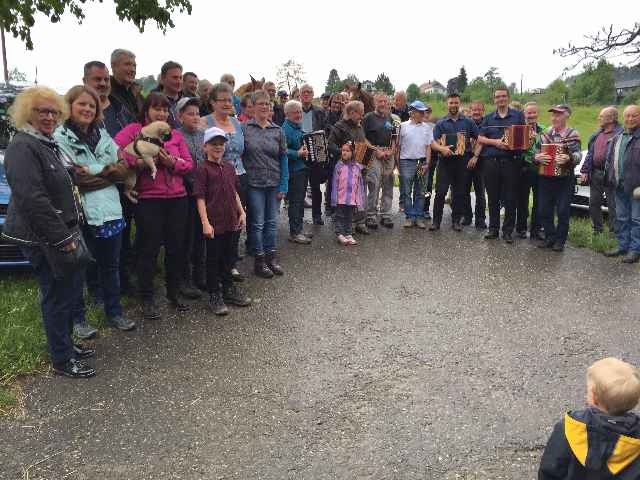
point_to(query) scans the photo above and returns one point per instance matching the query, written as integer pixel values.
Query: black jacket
(589, 444)
(631, 178)
(123, 97)
(342, 132)
(319, 118)
(42, 208)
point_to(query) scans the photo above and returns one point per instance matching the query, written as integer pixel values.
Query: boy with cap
(554, 192)
(603, 440)
(221, 214)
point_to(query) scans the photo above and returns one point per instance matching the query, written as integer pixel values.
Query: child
(222, 215)
(602, 441)
(346, 194)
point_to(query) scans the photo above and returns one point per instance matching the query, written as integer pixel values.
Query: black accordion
(316, 145)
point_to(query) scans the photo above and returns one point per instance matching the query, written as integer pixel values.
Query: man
(283, 97)
(325, 98)
(555, 191)
(171, 86)
(278, 109)
(378, 128)
(190, 82)
(415, 156)
(475, 177)
(115, 116)
(528, 181)
(123, 89)
(502, 166)
(313, 119)
(623, 173)
(231, 81)
(592, 171)
(453, 169)
(400, 107)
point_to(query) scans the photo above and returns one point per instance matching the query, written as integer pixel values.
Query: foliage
(334, 84)
(462, 82)
(632, 98)
(477, 90)
(493, 80)
(596, 85)
(290, 75)
(16, 75)
(18, 16)
(557, 92)
(383, 83)
(147, 83)
(352, 79)
(413, 92)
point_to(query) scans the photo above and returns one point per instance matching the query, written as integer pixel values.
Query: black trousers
(128, 255)
(297, 193)
(242, 184)
(161, 221)
(343, 219)
(219, 261)
(528, 183)
(194, 246)
(329, 187)
(317, 176)
(451, 172)
(502, 176)
(475, 177)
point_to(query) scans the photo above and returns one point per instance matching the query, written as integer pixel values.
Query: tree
(18, 16)
(493, 80)
(478, 90)
(351, 79)
(461, 84)
(632, 98)
(606, 42)
(290, 75)
(452, 85)
(557, 92)
(16, 75)
(383, 83)
(334, 85)
(596, 85)
(413, 92)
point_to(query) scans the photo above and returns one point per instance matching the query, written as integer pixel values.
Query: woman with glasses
(43, 211)
(221, 104)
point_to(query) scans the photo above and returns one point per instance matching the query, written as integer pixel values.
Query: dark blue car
(10, 255)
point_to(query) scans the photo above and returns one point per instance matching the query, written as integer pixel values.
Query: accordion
(316, 144)
(364, 154)
(454, 140)
(552, 169)
(518, 137)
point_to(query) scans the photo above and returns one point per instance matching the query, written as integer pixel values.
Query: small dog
(146, 146)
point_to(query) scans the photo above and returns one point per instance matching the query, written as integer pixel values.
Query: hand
(424, 168)
(542, 158)
(80, 169)
(280, 195)
(165, 158)
(303, 152)
(501, 145)
(448, 152)
(563, 159)
(584, 179)
(242, 221)
(207, 231)
(472, 163)
(69, 247)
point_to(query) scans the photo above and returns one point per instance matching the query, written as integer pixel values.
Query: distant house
(432, 87)
(368, 85)
(537, 91)
(625, 86)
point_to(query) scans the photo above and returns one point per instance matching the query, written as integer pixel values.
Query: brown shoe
(408, 223)
(421, 223)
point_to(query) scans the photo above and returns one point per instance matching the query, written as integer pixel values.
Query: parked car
(10, 255)
(580, 199)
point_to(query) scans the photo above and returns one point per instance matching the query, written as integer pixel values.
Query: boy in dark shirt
(602, 441)
(221, 214)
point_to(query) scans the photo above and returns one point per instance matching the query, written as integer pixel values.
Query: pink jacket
(168, 182)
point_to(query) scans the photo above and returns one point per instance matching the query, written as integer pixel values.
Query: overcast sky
(409, 41)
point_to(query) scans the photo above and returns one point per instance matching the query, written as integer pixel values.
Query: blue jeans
(555, 194)
(409, 182)
(60, 302)
(264, 208)
(106, 251)
(628, 221)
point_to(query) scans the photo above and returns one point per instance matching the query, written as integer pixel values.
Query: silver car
(581, 193)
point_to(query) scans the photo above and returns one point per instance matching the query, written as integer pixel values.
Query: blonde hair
(615, 384)
(22, 107)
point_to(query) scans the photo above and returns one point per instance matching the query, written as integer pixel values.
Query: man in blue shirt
(502, 166)
(452, 168)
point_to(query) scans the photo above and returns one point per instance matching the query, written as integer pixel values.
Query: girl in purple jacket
(347, 194)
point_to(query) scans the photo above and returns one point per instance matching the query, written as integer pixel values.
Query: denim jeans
(297, 193)
(410, 183)
(343, 219)
(554, 194)
(264, 208)
(628, 218)
(106, 251)
(60, 299)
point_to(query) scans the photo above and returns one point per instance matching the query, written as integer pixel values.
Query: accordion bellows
(454, 140)
(518, 137)
(364, 153)
(552, 169)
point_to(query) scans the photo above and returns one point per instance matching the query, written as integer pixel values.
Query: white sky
(409, 41)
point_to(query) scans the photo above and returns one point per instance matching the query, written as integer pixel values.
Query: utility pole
(521, 77)
(4, 56)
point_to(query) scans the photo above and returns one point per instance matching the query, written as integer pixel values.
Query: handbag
(63, 263)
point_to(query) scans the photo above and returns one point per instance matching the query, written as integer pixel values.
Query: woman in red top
(162, 205)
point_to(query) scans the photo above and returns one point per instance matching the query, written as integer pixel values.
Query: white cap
(211, 133)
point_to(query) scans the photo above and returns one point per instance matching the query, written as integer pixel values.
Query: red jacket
(168, 182)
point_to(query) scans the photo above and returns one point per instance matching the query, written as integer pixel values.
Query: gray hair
(292, 105)
(226, 77)
(306, 86)
(613, 111)
(202, 86)
(352, 106)
(219, 88)
(121, 52)
(401, 93)
(260, 94)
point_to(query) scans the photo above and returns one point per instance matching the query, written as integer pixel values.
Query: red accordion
(552, 169)
(517, 137)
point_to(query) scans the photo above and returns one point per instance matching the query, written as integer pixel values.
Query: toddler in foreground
(347, 194)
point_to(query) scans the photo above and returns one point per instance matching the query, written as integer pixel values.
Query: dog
(146, 146)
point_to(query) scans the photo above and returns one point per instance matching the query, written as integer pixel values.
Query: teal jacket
(103, 205)
(293, 134)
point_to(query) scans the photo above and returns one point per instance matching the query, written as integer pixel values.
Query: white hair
(121, 52)
(292, 105)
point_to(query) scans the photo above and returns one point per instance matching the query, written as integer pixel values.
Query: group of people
(228, 161)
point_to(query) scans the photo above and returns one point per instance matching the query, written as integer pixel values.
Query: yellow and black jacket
(589, 444)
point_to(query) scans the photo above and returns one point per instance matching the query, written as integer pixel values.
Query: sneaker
(84, 331)
(177, 305)
(371, 223)
(74, 368)
(236, 276)
(386, 222)
(300, 238)
(351, 240)
(216, 304)
(83, 352)
(408, 223)
(558, 247)
(360, 228)
(121, 323)
(421, 223)
(342, 240)
(233, 296)
(150, 310)
(189, 292)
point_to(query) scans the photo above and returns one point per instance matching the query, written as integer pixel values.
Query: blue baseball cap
(418, 105)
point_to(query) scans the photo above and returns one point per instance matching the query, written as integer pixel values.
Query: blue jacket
(102, 205)
(293, 133)
(631, 178)
(587, 166)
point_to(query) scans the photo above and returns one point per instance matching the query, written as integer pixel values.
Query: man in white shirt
(416, 137)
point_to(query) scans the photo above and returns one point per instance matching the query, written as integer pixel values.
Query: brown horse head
(250, 86)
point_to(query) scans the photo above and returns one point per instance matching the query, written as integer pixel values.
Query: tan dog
(146, 147)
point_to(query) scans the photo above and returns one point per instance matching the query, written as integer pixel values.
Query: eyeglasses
(46, 112)
(224, 100)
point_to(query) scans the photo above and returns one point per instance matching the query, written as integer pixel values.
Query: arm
(554, 464)
(183, 163)
(123, 138)
(207, 229)
(587, 166)
(243, 216)
(283, 187)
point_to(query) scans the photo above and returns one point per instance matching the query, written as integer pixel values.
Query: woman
(221, 104)
(92, 150)
(43, 210)
(204, 88)
(161, 212)
(246, 108)
(265, 159)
